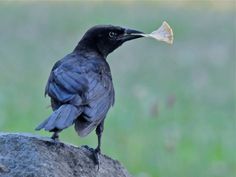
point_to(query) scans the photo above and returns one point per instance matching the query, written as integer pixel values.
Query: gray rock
(26, 155)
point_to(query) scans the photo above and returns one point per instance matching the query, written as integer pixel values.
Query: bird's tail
(60, 119)
(84, 127)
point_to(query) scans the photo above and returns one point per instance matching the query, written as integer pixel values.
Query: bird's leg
(97, 151)
(99, 131)
(55, 136)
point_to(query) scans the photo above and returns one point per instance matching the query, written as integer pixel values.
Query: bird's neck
(88, 47)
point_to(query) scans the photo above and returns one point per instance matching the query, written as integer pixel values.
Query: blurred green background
(174, 114)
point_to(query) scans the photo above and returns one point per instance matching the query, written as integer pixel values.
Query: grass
(175, 105)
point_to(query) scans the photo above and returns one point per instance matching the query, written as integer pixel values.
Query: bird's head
(104, 39)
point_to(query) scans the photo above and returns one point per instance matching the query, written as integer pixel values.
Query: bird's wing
(101, 98)
(76, 83)
(100, 94)
(66, 83)
(87, 84)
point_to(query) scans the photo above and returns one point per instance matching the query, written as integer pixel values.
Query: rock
(26, 155)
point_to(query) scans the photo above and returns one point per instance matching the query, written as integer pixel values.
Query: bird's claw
(95, 154)
(86, 147)
(55, 138)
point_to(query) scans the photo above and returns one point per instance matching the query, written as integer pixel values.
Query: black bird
(80, 84)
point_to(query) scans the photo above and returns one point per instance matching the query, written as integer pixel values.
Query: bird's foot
(95, 155)
(87, 147)
(55, 137)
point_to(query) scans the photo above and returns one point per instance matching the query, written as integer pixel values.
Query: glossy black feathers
(80, 84)
(80, 88)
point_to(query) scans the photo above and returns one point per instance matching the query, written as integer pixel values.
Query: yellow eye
(112, 34)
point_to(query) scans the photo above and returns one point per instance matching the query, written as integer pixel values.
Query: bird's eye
(112, 34)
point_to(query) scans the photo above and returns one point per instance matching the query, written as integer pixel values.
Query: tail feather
(84, 127)
(60, 119)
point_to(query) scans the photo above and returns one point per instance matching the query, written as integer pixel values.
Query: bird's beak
(130, 34)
